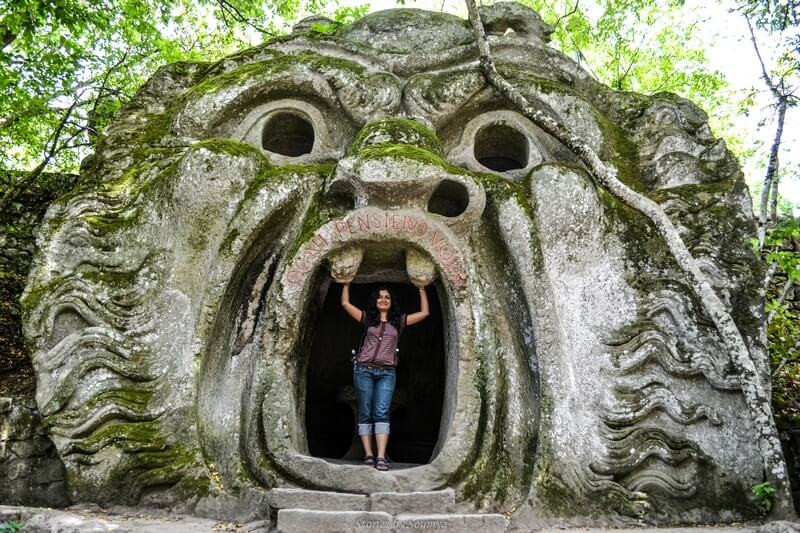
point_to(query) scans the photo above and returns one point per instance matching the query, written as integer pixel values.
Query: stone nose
(397, 163)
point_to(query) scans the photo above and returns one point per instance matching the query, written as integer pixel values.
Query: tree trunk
(754, 391)
(772, 172)
(773, 201)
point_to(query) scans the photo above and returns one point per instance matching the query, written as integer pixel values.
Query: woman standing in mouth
(374, 370)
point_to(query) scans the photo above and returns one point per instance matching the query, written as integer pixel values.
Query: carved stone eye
(501, 148)
(288, 133)
(499, 141)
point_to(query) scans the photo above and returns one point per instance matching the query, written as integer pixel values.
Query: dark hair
(373, 317)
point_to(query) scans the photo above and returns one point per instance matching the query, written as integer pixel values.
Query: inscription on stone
(379, 223)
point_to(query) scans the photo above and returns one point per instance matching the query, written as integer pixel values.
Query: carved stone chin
(185, 310)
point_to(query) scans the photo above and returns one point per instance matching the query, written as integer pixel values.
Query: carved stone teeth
(420, 268)
(344, 263)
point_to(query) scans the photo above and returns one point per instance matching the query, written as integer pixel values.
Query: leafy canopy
(72, 64)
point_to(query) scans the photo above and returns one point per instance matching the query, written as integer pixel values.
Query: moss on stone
(494, 476)
(155, 128)
(315, 217)
(231, 147)
(398, 131)
(227, 242)
(278, 63)
(525, 78)
(413, 153)
(203, 223)
(128, 436)
(117, 280)
(31, 299)
(176, 469)
(134, 398)
(552, 492)
(273, 175)
(111, 223)
(623, 153)
(619, 149)
(695, 193)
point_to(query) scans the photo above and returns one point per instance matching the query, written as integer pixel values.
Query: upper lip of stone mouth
(369, 242)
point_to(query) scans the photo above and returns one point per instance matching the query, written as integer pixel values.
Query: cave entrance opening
(330, 401)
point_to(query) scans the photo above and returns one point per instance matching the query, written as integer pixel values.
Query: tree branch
(764, 74)
(786, 358)
(753, 389)
(567, 14)
(784, 293)
(633, 61)
(234, 12)
(91, 119)
(51, 150)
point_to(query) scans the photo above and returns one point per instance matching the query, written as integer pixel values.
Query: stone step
(442, 501)
(316, 499)
(450, 522)
(307, 521)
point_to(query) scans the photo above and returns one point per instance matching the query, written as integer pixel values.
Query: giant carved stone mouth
(374, 245)
(330, 335)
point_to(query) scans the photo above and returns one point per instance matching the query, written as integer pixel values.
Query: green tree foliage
(67, 66)
(783, 327)
(634, 45)
(775, 15)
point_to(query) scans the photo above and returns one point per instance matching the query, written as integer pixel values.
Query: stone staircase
(310, 511)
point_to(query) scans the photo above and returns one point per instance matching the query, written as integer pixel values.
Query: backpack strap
(364, 328)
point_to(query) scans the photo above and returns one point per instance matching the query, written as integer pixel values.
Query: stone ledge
(305, 521)
(413, 502)
(316, 499)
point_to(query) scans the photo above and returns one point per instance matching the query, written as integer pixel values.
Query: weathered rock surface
(176, 305)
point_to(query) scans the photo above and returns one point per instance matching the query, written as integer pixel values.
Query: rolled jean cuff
(365, 429)
(381, 428)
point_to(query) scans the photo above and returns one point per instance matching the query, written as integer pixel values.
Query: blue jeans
(374, 388)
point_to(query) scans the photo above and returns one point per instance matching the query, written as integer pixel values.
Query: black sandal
(368, 460)
(381, 464)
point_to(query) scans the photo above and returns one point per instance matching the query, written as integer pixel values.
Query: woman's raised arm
(351, 309)
(423, 312)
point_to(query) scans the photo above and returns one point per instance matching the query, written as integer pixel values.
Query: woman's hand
(423, 312)
(351, 309)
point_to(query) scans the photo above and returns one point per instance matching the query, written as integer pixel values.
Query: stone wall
(18, 227)
(30, 470)
(33, 473)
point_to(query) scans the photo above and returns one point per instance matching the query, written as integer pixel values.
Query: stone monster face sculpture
(188, 336)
